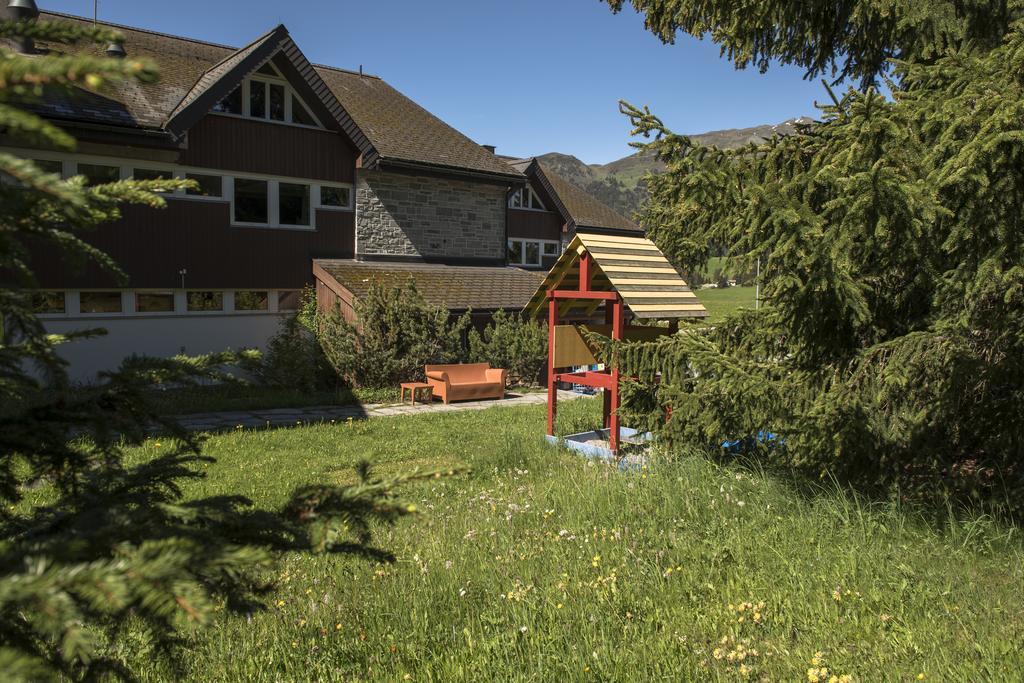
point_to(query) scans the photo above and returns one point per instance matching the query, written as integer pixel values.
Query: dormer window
(266, 95)
(526, 198)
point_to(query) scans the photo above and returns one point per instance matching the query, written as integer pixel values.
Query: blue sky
(529, 76)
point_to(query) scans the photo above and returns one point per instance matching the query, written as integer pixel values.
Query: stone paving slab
(291, 417)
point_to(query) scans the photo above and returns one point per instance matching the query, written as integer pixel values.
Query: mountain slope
(619, 183)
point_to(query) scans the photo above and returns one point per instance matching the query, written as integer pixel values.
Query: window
(49, 166)
(209, 185)
(277, 95)
(515, 251)
(289, 300)
(532, 255)
(204, 301)
(293, 204)
(232, 104)
(528, 252)
(48, 302)
(154, 302)
(150, 174)
(251, 301)
(100, 302)
(526, 198)
(98, 174)
(257, 99)
(250, 201)
(335, 197)
(44, 165)
(267, 96)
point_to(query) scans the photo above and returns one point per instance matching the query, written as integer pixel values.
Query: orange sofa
(466, 382)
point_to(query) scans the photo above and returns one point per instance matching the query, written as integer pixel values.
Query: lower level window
(48, 302)
(289, 301)
(208, 185)
(250, 201)
(293, 204)
(154, 302)
(99, 174)
(100, 302)
(529, 252)
(250, 300)
(204, 301)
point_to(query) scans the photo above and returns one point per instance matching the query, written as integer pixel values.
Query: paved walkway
(290, 417)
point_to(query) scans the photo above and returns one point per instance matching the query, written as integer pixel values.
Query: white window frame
(67, 304)
(129, 308)
(523, 241)
(290, 93)
(529, 193)
(135, 302)
(339, 186)
(69, 164)
(273, 203)
(127, 303)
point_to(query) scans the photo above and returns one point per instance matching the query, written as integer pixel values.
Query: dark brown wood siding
(153, 245)
(247, 146)
(538, 225)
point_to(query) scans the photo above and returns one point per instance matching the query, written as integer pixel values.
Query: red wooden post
(552, 386)
(618, 327)
(606, 411)
(585, 275)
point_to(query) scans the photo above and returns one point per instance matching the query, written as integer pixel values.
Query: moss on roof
(482, 288)
(399, 129)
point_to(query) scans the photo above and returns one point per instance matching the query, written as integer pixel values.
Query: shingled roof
(578, 207)
(481, 288)
(388, 127)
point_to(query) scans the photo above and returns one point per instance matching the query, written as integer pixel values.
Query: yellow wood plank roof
(632, 266)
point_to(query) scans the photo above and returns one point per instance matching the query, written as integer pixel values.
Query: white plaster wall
(159, 336)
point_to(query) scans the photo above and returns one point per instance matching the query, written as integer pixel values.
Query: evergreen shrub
(510, 342)
(396, 333)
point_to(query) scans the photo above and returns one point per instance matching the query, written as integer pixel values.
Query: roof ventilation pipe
(23, 10)
(116, 50)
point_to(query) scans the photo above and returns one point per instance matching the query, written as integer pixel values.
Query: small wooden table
(412, 388)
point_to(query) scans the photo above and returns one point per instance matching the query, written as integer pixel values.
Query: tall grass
(540, 565)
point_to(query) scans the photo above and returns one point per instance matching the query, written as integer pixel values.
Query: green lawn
(232, 396)
(541, 566)
(722, 302)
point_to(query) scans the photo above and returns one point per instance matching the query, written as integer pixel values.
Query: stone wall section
(401, 214)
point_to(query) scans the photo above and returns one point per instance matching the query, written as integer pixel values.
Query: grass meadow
(723, 302)
(539, 565)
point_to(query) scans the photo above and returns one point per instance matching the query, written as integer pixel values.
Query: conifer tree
(891, 240)
(88, 540)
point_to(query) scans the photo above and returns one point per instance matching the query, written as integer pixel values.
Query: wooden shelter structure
(631, 278)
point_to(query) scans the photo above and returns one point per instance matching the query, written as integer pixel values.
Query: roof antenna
(360, 71)
(95, 10)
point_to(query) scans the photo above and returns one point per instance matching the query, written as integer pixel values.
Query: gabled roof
(402, 131)
(221, 78)
(578, 208)
(481, 288)
(386, 126)
(634, 267)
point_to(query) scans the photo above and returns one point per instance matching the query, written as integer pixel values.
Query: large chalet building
(308, 175)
